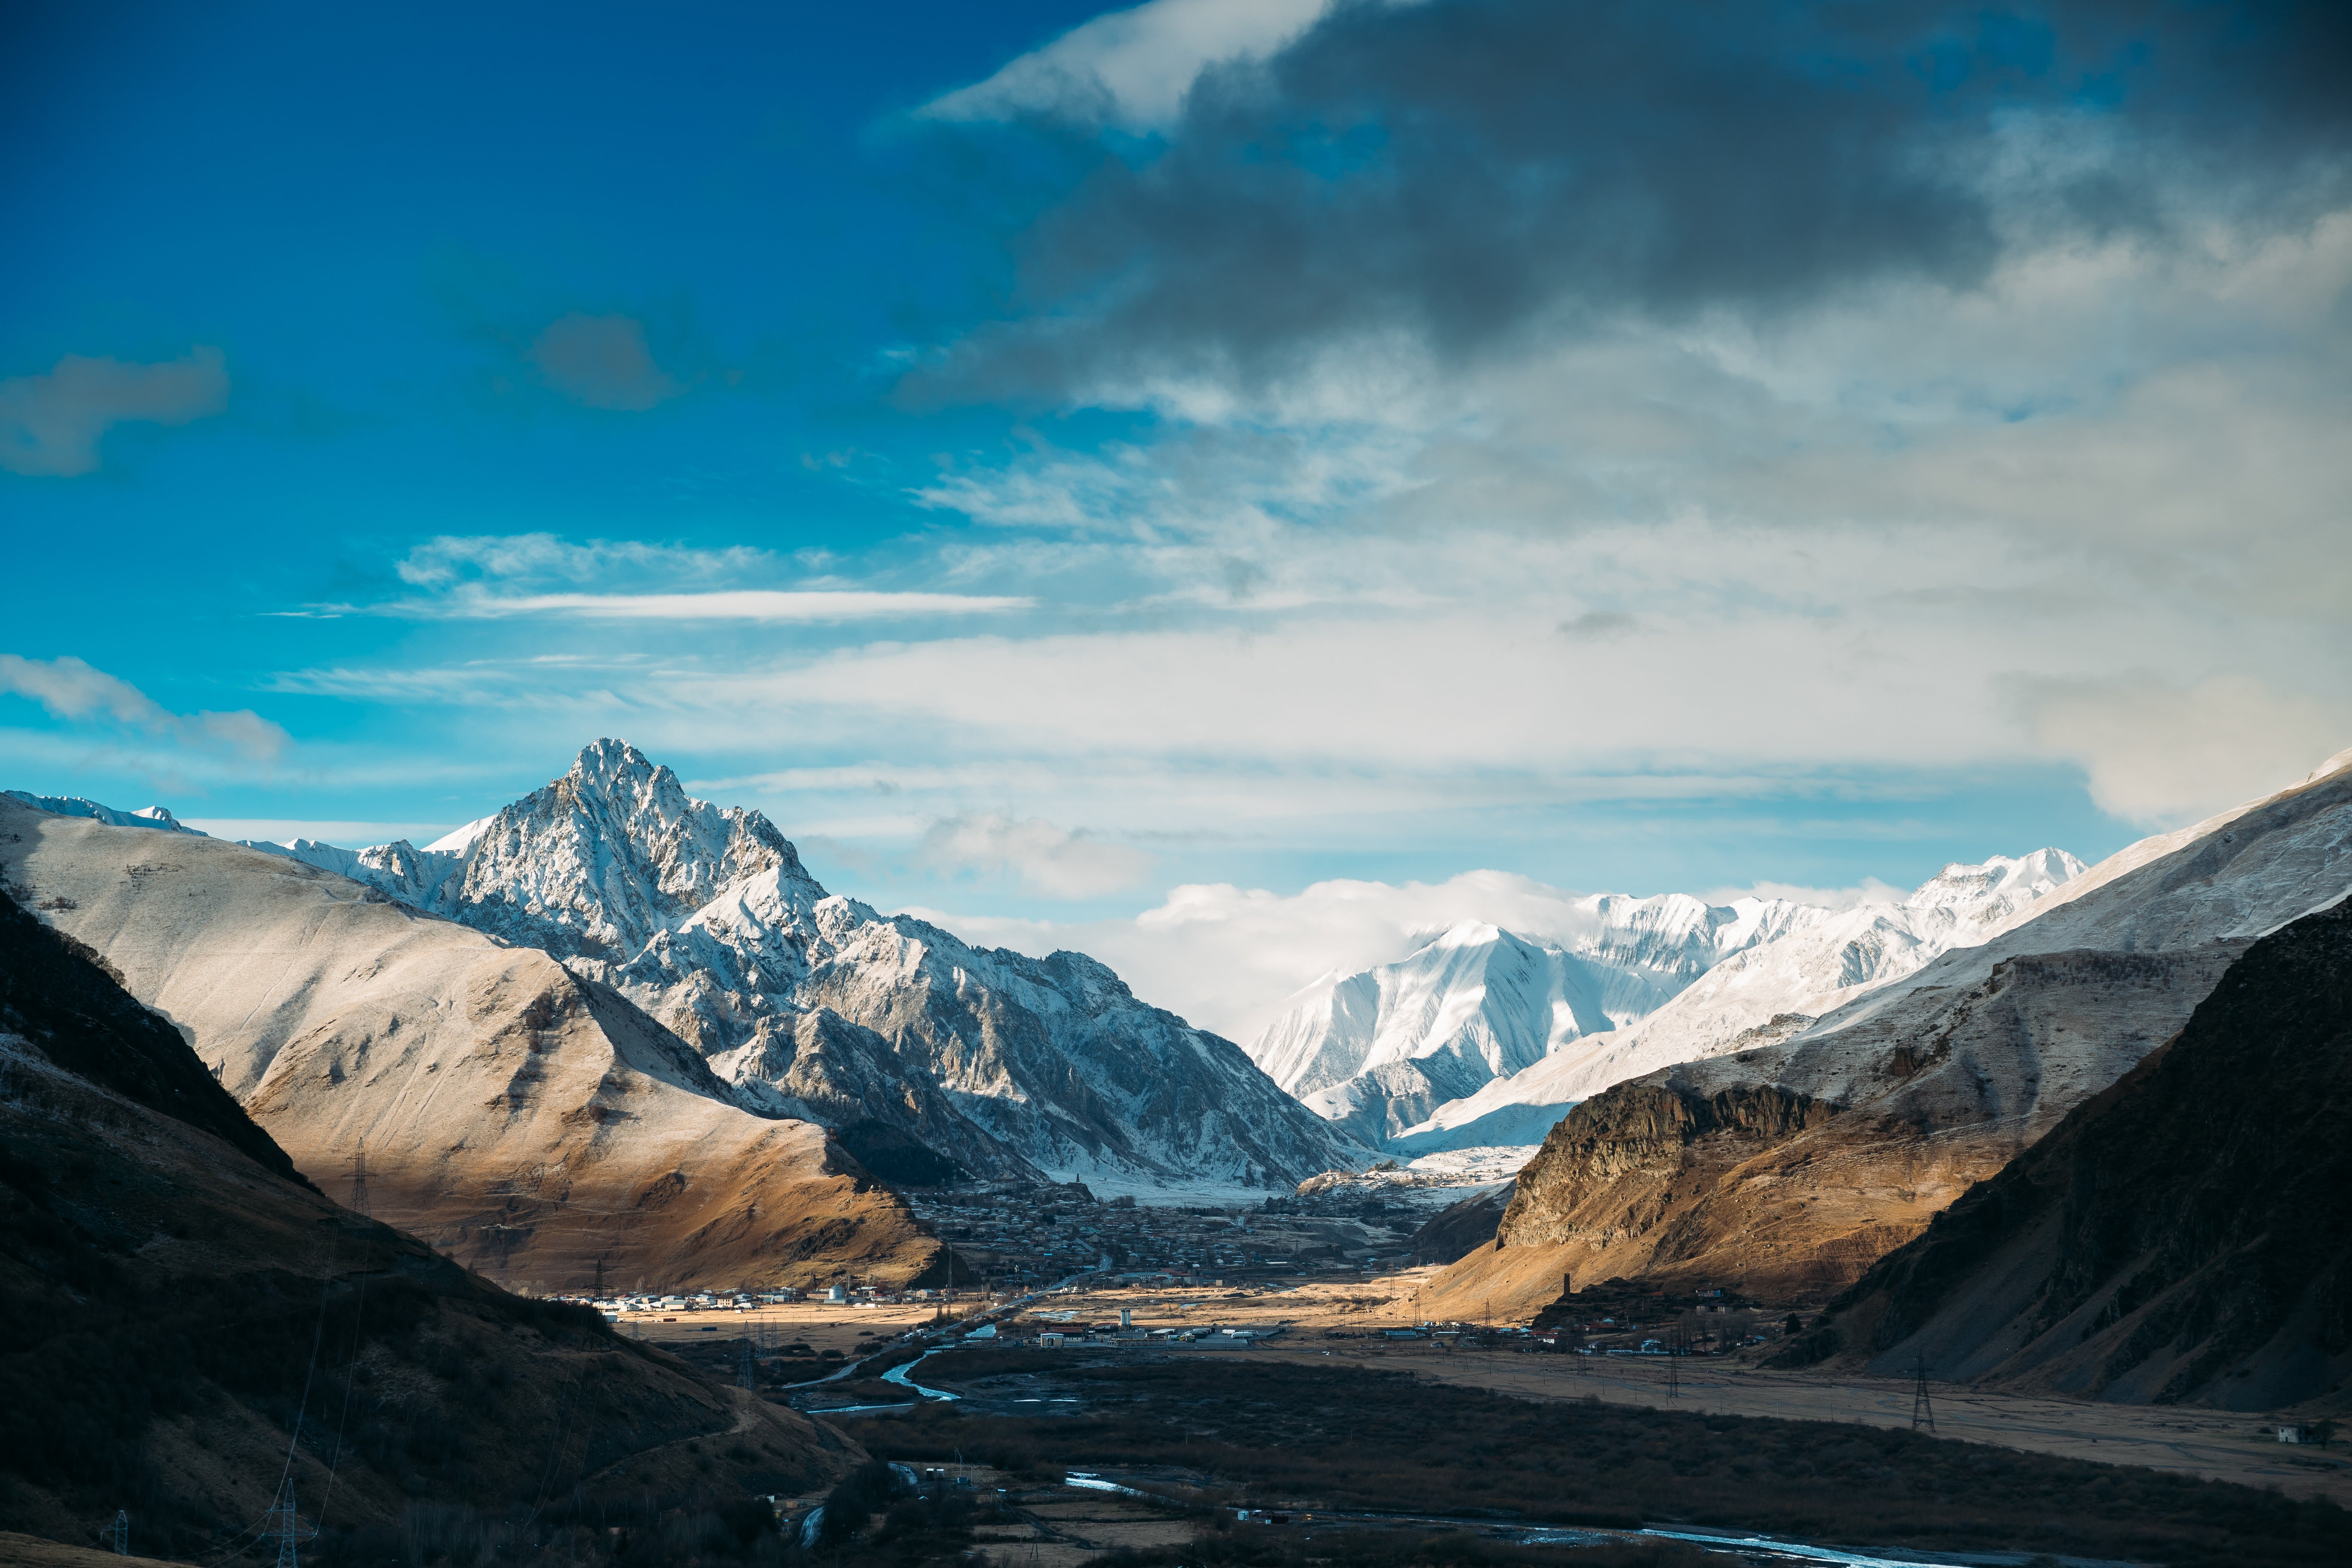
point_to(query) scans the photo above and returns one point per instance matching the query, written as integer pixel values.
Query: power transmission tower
(359, 1201)
(286, 1525)
(1923, 1410)
(122, 1532)
(747, 1376)
(600, 1279)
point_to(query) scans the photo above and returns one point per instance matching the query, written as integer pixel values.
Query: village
(1054, 1266)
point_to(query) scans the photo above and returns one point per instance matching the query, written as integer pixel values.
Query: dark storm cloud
(1466, 170)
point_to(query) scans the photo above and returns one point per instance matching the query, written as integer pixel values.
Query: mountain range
(611, 1028)
(1786, 1168)
(809, 1005)
(1484, 1036)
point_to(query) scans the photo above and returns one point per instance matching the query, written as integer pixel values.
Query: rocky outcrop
(528, 1120)
(2181, 1236)
(1814, 1157)
(184, 1320)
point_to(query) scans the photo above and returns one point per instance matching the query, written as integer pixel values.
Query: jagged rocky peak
(597, 862)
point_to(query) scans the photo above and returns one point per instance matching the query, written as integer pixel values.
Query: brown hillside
(517, 1117)
(177, 1306)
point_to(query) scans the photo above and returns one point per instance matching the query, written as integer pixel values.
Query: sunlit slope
(525, 1120)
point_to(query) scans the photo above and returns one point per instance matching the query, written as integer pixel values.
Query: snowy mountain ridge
(813, 1005)
(1484, 1036)
(75, 805)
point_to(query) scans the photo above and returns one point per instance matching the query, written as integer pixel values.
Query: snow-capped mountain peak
(1413, 1053)
(594, 864)
(809, 1004)
(1990, 892)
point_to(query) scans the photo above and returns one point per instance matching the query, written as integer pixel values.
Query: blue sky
(1071, 467)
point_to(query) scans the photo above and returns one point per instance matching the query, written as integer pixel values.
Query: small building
(2296, 1435)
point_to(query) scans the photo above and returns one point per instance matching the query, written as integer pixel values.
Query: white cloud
(602, 361)
(728, 605)
(1051, 860)
(2164, 755)
(1129, 68)
(446, 558)
(71, 689)
(50, 424)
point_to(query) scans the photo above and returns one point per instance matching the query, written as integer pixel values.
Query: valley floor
(2240, 1446)
(2213, 1445)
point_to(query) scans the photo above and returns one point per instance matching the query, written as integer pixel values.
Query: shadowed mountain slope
(526, 1120)
(176, 1301)
(2185, 1236)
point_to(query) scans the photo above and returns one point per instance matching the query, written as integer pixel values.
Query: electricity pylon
(286, 1525)
(1923, 1410)
(359, 1200)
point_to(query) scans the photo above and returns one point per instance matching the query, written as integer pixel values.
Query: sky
(1224, 484)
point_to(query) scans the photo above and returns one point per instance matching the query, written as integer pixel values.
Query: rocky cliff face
(147, 1223)
(1817, 1155)
(2181, 1236)
(528, 1119)
(815, 1007)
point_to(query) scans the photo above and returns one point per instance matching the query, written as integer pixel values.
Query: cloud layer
(1457, 175)
(1054, 861)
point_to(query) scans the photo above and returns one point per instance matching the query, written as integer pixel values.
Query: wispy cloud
(1054, 861)
(78, 692)
(813, 607)
(1129, 68)
(50, 424)
(448, 559)
(489, 577)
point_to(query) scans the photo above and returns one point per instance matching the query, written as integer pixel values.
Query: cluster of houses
(743, 1301)
(1020, 1238)
(1057, 1329)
